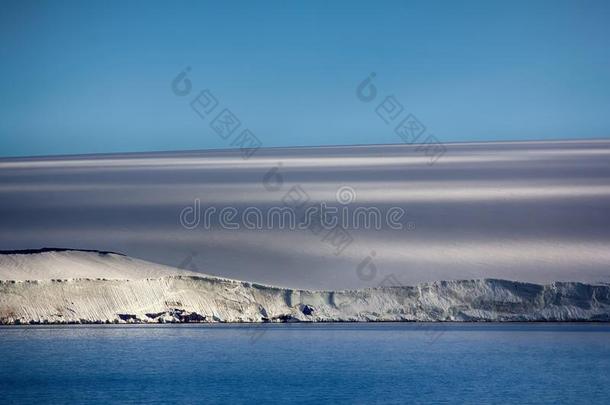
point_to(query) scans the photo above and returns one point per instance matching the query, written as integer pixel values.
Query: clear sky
(85, 77)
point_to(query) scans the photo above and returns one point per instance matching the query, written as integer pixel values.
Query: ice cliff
(63, 286)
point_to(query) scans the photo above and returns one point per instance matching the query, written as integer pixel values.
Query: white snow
(86, 287)
(80, 264)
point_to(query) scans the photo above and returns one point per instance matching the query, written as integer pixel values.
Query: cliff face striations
(88, 287)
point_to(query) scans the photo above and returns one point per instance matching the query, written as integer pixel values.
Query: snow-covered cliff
(92, 287)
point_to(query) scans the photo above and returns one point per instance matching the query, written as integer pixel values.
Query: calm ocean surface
(334, 363)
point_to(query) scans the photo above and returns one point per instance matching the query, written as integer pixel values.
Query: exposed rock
(204, 299)
(86, 287)
(306, 309)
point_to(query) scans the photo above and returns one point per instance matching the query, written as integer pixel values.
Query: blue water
(334, 363)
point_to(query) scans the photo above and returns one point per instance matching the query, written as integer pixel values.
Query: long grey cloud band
(535, 211)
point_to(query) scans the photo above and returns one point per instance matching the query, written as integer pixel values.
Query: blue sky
(79, 77)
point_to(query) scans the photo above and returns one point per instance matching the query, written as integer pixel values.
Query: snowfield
(47, 264)
(68, 286)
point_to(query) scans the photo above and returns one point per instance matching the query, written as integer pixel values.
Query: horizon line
(359, 145)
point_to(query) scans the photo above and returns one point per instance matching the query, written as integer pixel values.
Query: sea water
(288, 363)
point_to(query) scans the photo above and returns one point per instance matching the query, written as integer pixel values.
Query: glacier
(58, 286)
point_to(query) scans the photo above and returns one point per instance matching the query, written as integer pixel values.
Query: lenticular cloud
(527, 211)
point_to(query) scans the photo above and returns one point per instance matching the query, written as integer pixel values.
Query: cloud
(533, 211)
